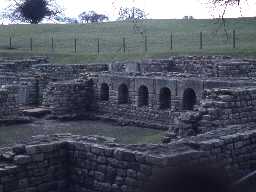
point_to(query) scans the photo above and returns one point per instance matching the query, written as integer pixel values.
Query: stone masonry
(207, 104)
(76, 163)
(149, 93)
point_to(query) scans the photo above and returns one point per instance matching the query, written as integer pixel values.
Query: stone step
(36, 112)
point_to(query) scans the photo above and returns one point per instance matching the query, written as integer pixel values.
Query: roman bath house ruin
(206, 105)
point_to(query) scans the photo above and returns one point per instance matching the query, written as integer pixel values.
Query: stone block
(22, 159)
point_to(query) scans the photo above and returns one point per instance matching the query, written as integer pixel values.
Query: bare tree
(224, 4)
(133, 13)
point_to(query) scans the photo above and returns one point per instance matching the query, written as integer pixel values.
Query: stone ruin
(207, 105)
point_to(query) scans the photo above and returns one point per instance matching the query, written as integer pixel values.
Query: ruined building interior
(206, 105)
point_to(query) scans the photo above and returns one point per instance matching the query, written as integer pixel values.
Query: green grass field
(186, 39)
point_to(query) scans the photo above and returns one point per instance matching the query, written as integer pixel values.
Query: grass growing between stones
(10, 135)
(186, 40)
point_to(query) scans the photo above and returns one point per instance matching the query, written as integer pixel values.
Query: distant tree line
(84, 17)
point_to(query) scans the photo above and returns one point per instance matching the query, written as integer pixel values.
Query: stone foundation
(76, 163)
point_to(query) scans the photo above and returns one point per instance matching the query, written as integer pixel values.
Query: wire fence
(131, 44)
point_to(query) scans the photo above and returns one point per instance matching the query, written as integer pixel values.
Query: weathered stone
(22, 159)
(19, 149)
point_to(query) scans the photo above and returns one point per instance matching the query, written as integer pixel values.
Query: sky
(156, 9)
(159, 9)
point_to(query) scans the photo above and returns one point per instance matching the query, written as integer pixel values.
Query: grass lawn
(186, 39)
(127, 135)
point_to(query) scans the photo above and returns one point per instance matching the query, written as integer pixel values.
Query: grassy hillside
(186, 39)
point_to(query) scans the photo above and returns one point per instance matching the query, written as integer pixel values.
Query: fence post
(98, 46)
(75, 44)
(201, 40)
(52, 44)
(124, 44)
(171, 38)
(146, 43)
(234, 39)
(10, 43)
(31, 44)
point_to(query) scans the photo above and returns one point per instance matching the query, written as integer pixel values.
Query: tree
(225, 3)
(92, 17)
(32, 11)
(84, 17)
(101, 18)
(131, 14)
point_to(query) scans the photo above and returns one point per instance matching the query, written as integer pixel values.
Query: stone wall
(71, 98)
(207, 66)
(8, 103)
(130, 168)
(139, 116)
(219, 108)
(165, 97)
(86, 163)
(144, 66)
(8, 79)
(20, 64)
(229, 107)
(60, 72)
(233, 144)
(32, 75)
(41, 167)
(28, 93)
(216, 66)
(111, 168)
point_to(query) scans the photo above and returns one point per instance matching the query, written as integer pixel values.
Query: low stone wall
(72, 98)
(124, 168)
(216, 66)
(60, 72)
(130, 168)
(235, 145)
(207, 66)
(79, 163)
(20, 64)
(139, 116)
(144, 66)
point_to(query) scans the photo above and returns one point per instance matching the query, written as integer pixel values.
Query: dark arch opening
(165, 98)
(123, 94)
(104, 92)
(143, 96)
(189, 99)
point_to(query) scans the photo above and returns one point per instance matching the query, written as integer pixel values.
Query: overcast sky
(156, 9)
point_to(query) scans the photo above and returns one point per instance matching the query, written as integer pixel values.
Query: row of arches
(189, 96)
